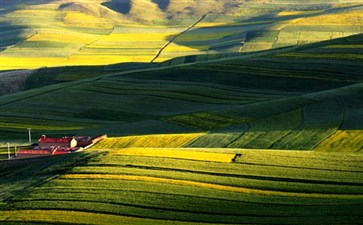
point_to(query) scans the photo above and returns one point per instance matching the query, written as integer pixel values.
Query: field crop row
(175, 153)
(152, 186)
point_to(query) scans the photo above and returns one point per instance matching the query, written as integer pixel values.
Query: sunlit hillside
(205, 112)
(299, 98)
(57, 33)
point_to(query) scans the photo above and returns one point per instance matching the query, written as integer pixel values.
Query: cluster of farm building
(57, 146)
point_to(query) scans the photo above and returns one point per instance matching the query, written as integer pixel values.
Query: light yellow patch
(176, 153)
(148, 141)
(293, 13)
(79, 19)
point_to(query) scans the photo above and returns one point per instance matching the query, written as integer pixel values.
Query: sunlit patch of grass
(343, 141)
(79, 19)
(294, 13)
(176, 153)
(345, 18)
(148, 141)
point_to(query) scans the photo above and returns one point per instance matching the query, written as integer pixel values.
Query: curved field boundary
(175, 37)
(208, 185)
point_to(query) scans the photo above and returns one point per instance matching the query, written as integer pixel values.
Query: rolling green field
(231, 112)
(266, 100)
(123, 186)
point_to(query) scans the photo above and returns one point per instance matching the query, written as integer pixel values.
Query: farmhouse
(57, 146)
(50, 143)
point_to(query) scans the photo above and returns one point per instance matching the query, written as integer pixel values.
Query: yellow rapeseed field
(294, 13)
(9, 63)
(347, 18)
(210, 24)
(79, 19)
(79, 59)
(148, 141)
(176, 153)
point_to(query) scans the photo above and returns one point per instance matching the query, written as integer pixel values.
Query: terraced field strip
(182, 91)
(332, 161)
(4, 153)
(303, 27)
(74, 217)
(148, 141)
(207, 185)
(265, 132)
(344, 140)
(175, 153)
(206, 121)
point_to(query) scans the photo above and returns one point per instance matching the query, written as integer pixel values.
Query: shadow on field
(120, 6)
(10, 34)
(163, 4)
(252, 29)
(18, 177)
(8, 6)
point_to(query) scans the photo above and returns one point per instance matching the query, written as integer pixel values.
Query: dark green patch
(113, 115)
(206, 121)
(49, 76)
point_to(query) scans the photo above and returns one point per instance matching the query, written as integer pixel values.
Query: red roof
(34, 152)
(61, 152)
(45, 139)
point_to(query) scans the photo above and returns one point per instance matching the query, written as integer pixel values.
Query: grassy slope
(296, 98)
(146, 186)
(100, 33)
(237, 101)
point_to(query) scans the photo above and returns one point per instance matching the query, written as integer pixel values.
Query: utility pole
(15, 151)
(30, 135)
(8, 150)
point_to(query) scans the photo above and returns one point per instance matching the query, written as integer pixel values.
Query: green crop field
(216, 112)
(103, 187)
(262, 100)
